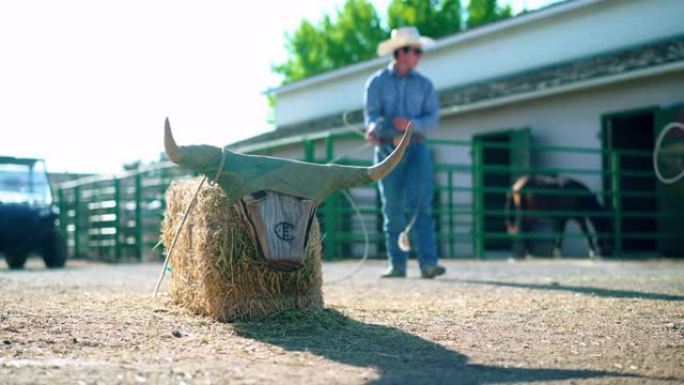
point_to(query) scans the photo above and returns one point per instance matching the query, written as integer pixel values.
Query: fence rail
(118, 217)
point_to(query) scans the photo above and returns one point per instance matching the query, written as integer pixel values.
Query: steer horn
(244, 174)
(170, 144)
(383, 168)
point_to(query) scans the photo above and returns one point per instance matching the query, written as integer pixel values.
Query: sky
(86, 84)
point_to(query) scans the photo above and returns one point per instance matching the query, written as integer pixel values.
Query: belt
(396, 139)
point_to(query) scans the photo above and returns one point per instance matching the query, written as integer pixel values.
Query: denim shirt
(389, 95)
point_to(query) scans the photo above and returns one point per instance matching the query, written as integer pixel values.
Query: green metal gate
(670, 198)
(115, 218)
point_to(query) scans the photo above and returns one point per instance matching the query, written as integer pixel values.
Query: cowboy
(398, 97)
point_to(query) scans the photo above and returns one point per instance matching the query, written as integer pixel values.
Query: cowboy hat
(402, 37)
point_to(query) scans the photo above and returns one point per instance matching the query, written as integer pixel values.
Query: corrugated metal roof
(458, 38)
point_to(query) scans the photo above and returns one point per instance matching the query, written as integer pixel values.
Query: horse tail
(604, 222)
(509, 215)
(600, 222)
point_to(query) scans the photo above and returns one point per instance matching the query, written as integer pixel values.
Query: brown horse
(570, 199)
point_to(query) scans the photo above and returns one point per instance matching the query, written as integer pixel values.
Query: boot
(394, 273)
(430, 272)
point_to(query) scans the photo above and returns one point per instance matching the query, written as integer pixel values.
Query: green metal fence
(116, 218)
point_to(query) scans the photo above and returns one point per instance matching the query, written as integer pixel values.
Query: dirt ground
(485, 322)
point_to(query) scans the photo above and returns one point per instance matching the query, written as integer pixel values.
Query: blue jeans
(409, 183)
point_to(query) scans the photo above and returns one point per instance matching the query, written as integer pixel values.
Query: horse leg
(522, 245)
(520, 249)
(587, 236)
(525, 230)
(559, 229)
(514, 226)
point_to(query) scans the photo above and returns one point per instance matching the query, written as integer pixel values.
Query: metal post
(309, 150)
(77, 221)
(330, 220)
(329, 148)
(329, 217)
(139, 247)
(450, 208)
(478, 199)
(62, 214)
(117, 218)
(616, 197)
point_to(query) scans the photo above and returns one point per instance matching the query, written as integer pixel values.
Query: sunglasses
(416, 51)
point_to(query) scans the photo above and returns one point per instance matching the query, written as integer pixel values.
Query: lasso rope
(357, 212)
(658, 148)
(403, 241)
(185, 217)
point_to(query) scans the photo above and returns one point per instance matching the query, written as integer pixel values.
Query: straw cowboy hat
(402, 37)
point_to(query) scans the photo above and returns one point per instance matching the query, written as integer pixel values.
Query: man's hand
(372, 137)
(401, 124)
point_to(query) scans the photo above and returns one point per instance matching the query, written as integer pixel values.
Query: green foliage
(306, 53)
(349, 38)
(481, 12)
(270, 117)
(434, 18)
(354, 32)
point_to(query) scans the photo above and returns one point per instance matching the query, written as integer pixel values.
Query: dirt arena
(485, 322)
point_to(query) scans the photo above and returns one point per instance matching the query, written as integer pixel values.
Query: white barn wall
(563, 33)
(586, 31)
(334, 96)
(572, 119)
(574, 30)
(293, 151)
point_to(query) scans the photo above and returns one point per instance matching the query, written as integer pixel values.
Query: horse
(563, 195)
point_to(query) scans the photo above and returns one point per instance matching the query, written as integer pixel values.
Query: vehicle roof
(22, 161)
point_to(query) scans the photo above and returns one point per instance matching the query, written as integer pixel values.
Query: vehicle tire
(16, 259)
(55, 253)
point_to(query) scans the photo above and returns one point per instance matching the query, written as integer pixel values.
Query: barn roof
(619, 65)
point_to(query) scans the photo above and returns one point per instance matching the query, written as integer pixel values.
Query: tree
(355, 31)
(433, 18)
(306, 51)
(481, 12)
(355, 34)
(350, 37)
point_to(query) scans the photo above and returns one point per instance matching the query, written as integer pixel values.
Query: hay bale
(215, 271)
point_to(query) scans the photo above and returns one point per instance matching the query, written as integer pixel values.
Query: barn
(579, 89)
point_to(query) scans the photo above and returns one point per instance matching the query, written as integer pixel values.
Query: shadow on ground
(599, 292)
(399, 357)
